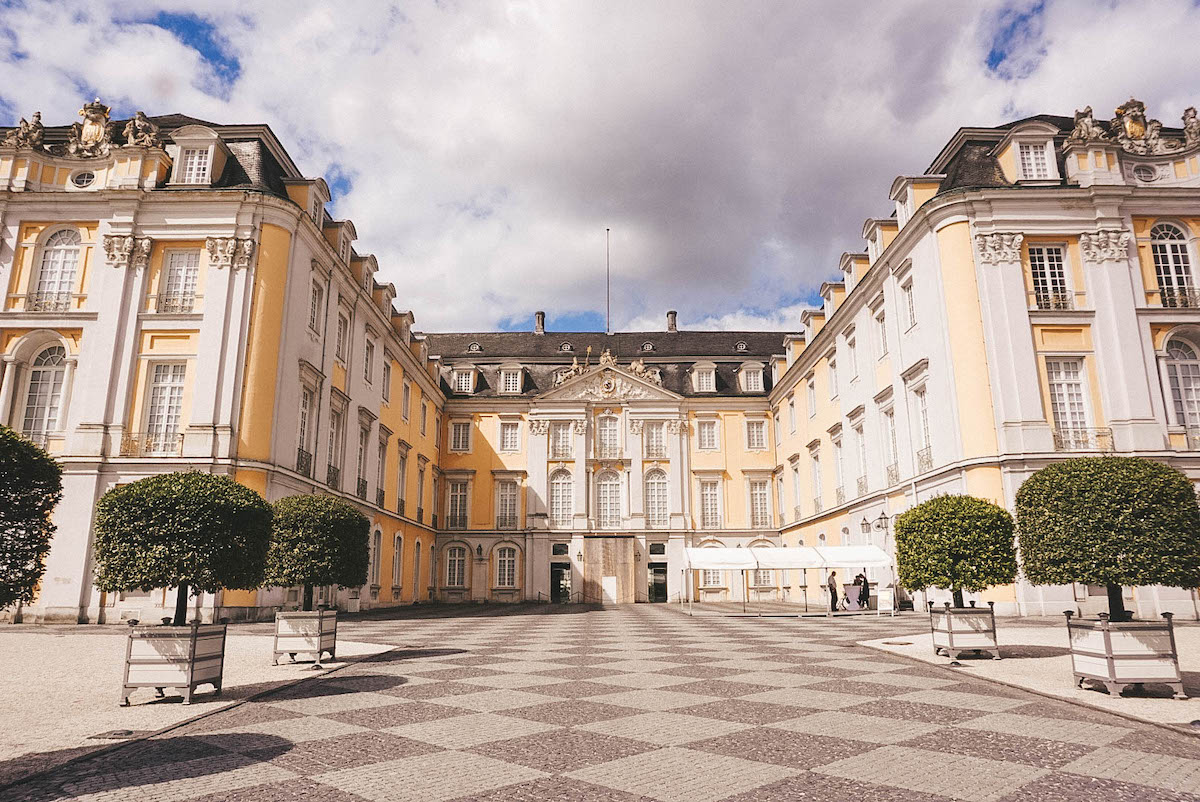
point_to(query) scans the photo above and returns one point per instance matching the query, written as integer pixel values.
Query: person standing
(864, 593)
(833, 594)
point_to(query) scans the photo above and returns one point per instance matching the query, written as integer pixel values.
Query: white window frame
(1050, 273)
(386, 378)
(657, 495)
(908, 296)
(456, 566)
(510, 377)
(756, 434)
(506, 566)
(316, 303)
(342, 340)
(562, 498)
(397, 561)
(1084, 420)
(458, 504)
(760, 503)
(195, 164)
(369, 360)
(608, 507)
(881, 339)
(752, 380)
(562, 440)
(508, 494)
(832, 372)
(702, 425)
(608, 437)
(406, 399)
(505, 428)
(654, 439)
(464, 381)
(160, 438)
(1039, 156)
(706, 380)
(811, 395)
(792, 413)
(460, 436)
(705, 485)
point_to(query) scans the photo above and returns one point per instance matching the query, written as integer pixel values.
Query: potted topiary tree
(30, 487)
(192, 531)
(960, 543)
(1113, 521)
(316, 540)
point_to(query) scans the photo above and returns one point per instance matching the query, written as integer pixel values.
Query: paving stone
(806, 697)
(290, 790)
(776, 679)
(499, 699)
(719, 688)
(556, 788)
(963, 701)
(917, 711)
(990, 745)
(559, 751)
(428, 778)
(654, 699)
(572, 712)
(743, 711)
(1160, 771)
(395, 715)
(430, 689)
(811, 787)
(795, 749)
(466, 731)
(665, 729)
(857, 727)
(318, 705)
(1079, 732)
(346, 751)
(681, 775)
(1060, 787)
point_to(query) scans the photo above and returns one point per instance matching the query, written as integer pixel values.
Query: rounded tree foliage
(956, 542)
(30, 486)
(318, 540)
(198, 530)
(1109, 521)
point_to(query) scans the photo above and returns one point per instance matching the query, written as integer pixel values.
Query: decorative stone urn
(174, 657)
(964, 629)
(1123, 653)
(312, 632)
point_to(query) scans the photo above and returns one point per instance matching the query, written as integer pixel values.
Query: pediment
(608, 384)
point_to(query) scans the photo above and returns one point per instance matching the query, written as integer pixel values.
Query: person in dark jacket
(864, 592)
(833, 594)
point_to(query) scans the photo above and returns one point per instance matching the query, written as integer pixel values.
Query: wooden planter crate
(1123, 653)
(174, 657)
(964, 629)
(313, 632)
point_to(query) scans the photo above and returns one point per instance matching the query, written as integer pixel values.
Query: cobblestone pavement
(639, 703)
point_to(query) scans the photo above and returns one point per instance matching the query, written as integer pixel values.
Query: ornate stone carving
(1086, 128)
(539, 427)
(653, 375)
(92, 137)
(677, 426)
(607, 360)
(580, 427)
(996, 249)
(141, 132)
(566, 373)
(606, 386)
(635, 426)
(127, 251)
(1191, 127)
(27, 134)
(1105, 246)
(1135, 133)
(229, 252)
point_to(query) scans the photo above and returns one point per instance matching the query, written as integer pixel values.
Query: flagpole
(607, 282)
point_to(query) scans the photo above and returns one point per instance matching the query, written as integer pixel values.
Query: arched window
(1172, 265)
(56, 275)
(506, 567)
(397, 560)
(1183, 373)
(608, 500)
(376, 549)
(607, 445)
(656, 498)
(562, 498)
(44, 398)
(456, 567)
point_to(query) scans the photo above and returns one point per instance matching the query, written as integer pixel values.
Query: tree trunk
(181, 604)
(1116, 604)
(308, 598)
(958, 598)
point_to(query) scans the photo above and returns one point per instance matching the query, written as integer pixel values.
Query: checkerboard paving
(633, 704)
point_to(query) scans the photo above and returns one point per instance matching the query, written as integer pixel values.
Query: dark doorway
(658, 582)
(560, 583)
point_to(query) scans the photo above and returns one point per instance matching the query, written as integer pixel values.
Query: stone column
(8, 381)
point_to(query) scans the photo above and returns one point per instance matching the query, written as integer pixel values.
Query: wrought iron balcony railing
(400, 506)
(1083, 439)
(1180, 297)
(360, 488)
(607, 451)
(839, 495)
(456, 521)
(175, 302)
(925, 460)
(862, 486)
(893, 474)
(152, 444)
(333, 477)
(1051, 300)
(420, 514)
(49, 301)
(379, 497)
(506, 522)
(38, 438)
(303, 462)
(817, 504)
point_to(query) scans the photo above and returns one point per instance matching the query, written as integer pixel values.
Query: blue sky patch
(203, 37)
(1015, 27)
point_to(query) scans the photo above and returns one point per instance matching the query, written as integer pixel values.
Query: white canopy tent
(724, 558)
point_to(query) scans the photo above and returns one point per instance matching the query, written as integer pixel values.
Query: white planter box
(313, 632)
(1120, 654)
(174, 657)
(964, 629)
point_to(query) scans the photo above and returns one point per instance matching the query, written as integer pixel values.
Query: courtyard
(636, 702)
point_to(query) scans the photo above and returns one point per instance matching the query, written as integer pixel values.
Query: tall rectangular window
(860, 440)
(852, 356)
(405, 400)
(457, 512)
(402, 481)
(922, 405)
(754, 380)
(363, 435)
(838, 478)
(811, 396)
(194, 166)
(756, 435)
(889, 435)
(506, 567)
(179, 289)
(710, 504)
(656, 498)
(760, 504)
(306, 403)
(511, 381)
(706, 380)
(796, 482)
(881, 341)
(706, 434)
(910, 304)
(509, 436)
(420, 490)
(815, 457)
(343, 337)
(381, 465)
(1066, 393)
(387, 378)
(656, 441)
(1033, 161)
(456, 566)
(608, 437)
(833, 378)
(560, 440)
(335, 438)
(316, 305)
(460, 435)
(1049, 277)
(165, 408)
(462, 381)
(792, 414)
(424, 417)
(506, 504)
(369, 361)
(778, 430)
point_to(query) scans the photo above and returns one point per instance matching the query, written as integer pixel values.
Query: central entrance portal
(657, 582)
(560, 583)
(608, 576)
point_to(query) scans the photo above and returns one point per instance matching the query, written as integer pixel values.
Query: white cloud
(734, 148)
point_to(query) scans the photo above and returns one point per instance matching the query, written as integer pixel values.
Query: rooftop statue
(1191, 127)
(27, 134)
(1086, 127)
(142, 132)
(1137, 134)
(92, 137)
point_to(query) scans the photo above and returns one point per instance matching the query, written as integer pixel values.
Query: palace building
(178, 299)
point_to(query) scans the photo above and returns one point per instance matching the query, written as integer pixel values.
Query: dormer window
(565, 347)
(474, 348)
(705, 377)
(752, 380)
(345, 249)
(647, 346)
(510, 381)
(464, 381)
(740, 346)
(318, 209)
(193, 166)
(1034, 163)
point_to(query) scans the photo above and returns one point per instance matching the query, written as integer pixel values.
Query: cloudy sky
(482, 148)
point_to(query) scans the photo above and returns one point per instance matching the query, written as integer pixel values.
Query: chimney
(671, 321)
(539, 322)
